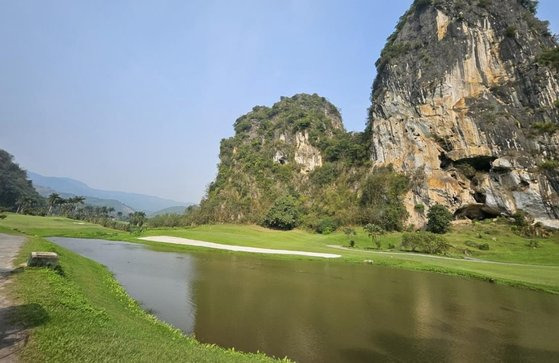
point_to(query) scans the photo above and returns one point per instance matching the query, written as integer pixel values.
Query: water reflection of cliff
(318, 312)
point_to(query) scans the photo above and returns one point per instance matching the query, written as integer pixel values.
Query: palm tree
(24, 203)
(53, 200)
(137, 219)
(75, 201)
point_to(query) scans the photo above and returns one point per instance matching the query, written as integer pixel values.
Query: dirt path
(190, 242)
(12, 337)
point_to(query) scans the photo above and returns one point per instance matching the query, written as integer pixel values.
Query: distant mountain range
(96, 202)
(179, 209)
(121, 201)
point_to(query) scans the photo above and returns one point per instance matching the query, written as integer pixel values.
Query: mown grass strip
(80, 313)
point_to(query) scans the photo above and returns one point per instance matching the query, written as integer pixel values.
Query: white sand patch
(190, 242)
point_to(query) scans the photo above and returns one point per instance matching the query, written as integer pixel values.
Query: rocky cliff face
(273, 153)
(462, 104)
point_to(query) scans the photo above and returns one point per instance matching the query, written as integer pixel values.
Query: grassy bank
(81, 314)
(509, 259)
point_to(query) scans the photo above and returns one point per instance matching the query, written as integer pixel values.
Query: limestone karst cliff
(299, 147)
(462, 103)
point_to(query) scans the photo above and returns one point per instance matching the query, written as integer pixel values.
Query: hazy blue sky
(136, 95)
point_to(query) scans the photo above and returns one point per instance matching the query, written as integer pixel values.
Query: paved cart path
(12, 337)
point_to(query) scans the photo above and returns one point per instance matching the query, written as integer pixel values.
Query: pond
(328, 311)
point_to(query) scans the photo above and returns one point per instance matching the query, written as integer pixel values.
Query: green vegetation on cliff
(299, 149)
(16, 191)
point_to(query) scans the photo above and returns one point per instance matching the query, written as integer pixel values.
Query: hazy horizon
(135, 96)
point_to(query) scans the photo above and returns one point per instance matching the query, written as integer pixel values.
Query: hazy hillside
(179, 209)
(16, 191)
(135, 201)
(96, 202)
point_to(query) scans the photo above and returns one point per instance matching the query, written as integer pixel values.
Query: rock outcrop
(462, 104)
(273, 152)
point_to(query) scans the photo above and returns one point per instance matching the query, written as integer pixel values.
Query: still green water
(327, 311)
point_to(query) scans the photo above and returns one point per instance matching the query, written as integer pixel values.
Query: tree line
(18, 195)
(75, 208)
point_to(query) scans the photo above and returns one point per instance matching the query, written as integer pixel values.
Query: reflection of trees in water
(316, 311)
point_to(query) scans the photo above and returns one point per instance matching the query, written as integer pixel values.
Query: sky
(136, 95)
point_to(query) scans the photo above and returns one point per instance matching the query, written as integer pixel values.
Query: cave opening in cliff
(480, 197)
(445, 161)
(477, 212)
(479, 163)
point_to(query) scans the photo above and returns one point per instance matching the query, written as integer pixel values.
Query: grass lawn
(536, 268)
(82, 314)
(533, 268)
(505, 246)
(55, 226)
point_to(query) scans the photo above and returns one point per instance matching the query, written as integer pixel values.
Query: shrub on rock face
(550, 58)
(382, 199)
(424, 242)
(520, 219)
(284, 214)
(439, 219)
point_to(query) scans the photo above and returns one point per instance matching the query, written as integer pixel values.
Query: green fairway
(81, 314)
(54, 226)
(529, 267)
(509, 259)
(505, 246)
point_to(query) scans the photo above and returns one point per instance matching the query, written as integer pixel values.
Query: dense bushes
(167, 220)
(327, 225)
(439, 219)
(549, 165)
(425, 242)
(284, 214)
(550, 58)
(480, 246)
(531, 5)
(520, 219)
(350, 148)
(382, 199)
(16, 191)
(546, 127)
(324, 175)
